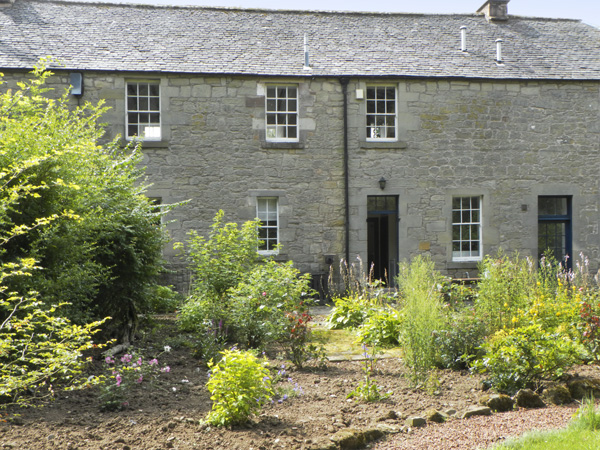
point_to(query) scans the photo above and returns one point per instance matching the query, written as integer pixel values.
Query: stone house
(348, 134)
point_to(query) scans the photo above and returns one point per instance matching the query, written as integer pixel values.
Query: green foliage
(348, 312)
(588, 415)
(163, 299)
(124, 373)
(519, 357)
(581, 434)
(221, 261)
(505, 288)
(38, 348)
(368, 390)
(458, 343)
(77, 208)
(422, 314)
(382, 328)
(259, 305)
(237, 298)
(240, 384)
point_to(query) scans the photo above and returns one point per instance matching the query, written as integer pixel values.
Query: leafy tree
(101, 240)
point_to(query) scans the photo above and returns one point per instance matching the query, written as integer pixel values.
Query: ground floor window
(554, 227)
(267, 211)
(466, 228)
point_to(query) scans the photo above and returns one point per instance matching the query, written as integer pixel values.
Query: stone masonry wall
(507, 141)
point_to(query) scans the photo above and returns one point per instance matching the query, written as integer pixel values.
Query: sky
(586, 10)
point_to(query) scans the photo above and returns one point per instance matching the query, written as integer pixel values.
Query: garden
(96, 354)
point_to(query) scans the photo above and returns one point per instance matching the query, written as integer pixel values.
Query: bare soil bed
(166, 414)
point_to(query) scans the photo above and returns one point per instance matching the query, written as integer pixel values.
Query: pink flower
(153, 362)
(126, 358)
(140, 379)
(139, 361)
(264, 294)
(109, 360)
(119, 379)
(166, 369)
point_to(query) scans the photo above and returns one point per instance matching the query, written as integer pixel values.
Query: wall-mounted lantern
(382, 182)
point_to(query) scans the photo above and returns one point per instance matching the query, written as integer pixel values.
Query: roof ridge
(289, 11)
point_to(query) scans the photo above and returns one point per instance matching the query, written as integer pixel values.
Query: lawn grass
(569, 438)
(581, 434)
(342, 343)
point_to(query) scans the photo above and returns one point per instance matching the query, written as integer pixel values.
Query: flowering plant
(125, 372)
(369, 391)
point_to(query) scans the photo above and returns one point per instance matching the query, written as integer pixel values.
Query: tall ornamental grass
(422, 314)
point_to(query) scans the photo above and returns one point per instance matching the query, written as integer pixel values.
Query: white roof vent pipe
(306, 58)
(499, 51)
(463, 38)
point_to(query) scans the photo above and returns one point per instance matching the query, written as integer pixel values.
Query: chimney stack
(494, 9)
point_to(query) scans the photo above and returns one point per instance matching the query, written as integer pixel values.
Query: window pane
(154, 90)
(154, 104)
(132, 89)
(143, 89)
(132, 103)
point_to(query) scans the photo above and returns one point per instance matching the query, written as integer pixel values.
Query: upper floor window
(381, 113)
(282, 113)
(267, 212)
(466, 228)
(143, 110)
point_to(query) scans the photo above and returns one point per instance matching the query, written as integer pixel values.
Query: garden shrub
(382, 328)
(238, 298)
(422, 314)
(221, 261)
(348, 312)
(458, 343)
(505, 289)
(520, 357)
(38, 348)
(239, 384)
(88, 221)
(260, 305)
(362, 296)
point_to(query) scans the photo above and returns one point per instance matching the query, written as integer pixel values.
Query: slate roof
(142, 38)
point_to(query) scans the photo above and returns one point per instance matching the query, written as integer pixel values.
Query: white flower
(167, 348)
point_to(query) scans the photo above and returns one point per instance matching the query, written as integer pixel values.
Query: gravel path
(479, 432)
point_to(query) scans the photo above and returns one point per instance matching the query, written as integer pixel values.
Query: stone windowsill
(282, 145)
(383, 145)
